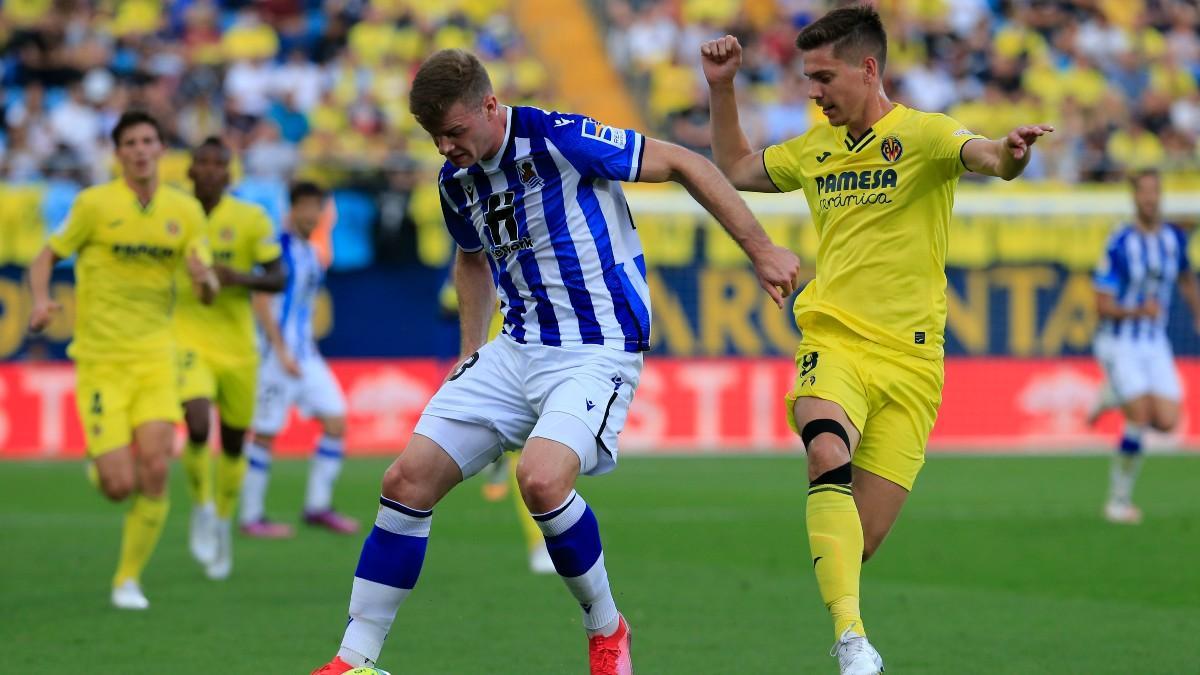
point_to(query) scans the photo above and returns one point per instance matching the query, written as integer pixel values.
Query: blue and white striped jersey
(293, 308)
(549, 210)
(1138, 266)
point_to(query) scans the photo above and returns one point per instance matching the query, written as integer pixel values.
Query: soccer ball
(367, 671)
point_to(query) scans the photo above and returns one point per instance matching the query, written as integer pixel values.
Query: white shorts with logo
(1137, 367)
(316, 393)
(577, 395)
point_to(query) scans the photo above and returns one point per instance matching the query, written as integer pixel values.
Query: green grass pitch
(998, 565)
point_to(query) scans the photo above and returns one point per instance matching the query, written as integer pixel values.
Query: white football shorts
(577, 395)
(316, 393)
(1137, 367)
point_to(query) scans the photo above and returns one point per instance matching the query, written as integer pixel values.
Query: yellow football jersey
(881, 206)
(241, 236)
(125, 271)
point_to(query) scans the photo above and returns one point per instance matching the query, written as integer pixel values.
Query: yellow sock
(143, 525)
(197, 465)
(835, 538)
(230, 472)
(533, 534)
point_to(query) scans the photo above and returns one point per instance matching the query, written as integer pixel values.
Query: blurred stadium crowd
(1118, 77)
(317, 89)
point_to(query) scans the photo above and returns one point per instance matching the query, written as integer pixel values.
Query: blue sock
(573, 541)
(388, 568)
(1131, 439)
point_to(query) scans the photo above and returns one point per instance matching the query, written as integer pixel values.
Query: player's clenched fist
(42, 314)
(721, 59)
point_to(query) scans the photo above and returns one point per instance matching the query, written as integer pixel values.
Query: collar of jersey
(491, 164)
(881, 127)
(137, 203)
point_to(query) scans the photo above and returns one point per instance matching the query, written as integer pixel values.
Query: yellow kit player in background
(218, 355)
(130, 236)
(880, 181)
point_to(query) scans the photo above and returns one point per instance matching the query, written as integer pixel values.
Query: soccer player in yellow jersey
(879, 180)
(217, 352)
(130, 237)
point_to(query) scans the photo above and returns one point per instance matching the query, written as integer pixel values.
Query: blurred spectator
(395, 230)
(1088, 66)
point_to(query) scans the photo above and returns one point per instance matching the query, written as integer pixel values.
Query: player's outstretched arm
(778, 269)
(270, 280)
(261, 304)
(44, 308)
(731, 149)
(1006, 157)
(476, 299)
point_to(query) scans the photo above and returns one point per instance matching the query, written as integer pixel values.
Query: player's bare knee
(116, 487)
(542, 489)
(828, 446)
(153, 470)
(334, 426)
(408, 485)
(1164, 422)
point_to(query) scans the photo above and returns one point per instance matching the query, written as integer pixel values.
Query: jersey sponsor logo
(528, 175)
(501, 219)
(891, 149)
(603, 133)
(130, 251)
(856, 180)
(222, 256)
(822, 157)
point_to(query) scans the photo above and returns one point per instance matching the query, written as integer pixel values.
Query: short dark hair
(1137, 175)
(305, 189)
(448, 77)
(854, 32)
(215, 143)
(132, 118)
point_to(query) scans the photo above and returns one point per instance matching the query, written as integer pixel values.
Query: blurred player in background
(880, 181)
(533, 200)
(1142, 264)
(131, 236)
(293, 373)
(217, 353)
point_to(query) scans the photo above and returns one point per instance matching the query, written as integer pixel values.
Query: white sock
(573, 540)
(322, 473)
(1124, 473)
(388, 568)
(254, 486)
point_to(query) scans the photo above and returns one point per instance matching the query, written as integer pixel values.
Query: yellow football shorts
(230, 383)
(116, 397)
(891, 397)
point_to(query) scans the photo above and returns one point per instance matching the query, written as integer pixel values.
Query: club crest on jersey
(226, 234)
(891, 149)
(173, 228)
(603, 133)
(528, 175)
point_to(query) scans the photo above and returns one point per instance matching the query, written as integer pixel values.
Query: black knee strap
(838, 476)
(824, 426)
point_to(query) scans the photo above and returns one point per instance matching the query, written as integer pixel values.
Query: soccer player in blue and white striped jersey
(294, 373)
(534, 201)
(1142, 264)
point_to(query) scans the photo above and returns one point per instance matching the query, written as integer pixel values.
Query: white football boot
(202, 534)
(1122, 513)
(129, 596)
(222, 564)
(855, 655)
